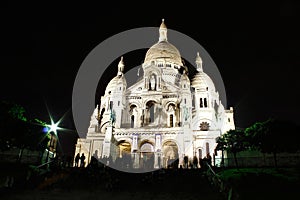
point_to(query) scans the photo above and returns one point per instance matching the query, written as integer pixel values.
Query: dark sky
(255, 46)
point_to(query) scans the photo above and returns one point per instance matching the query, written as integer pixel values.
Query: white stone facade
(164, 116)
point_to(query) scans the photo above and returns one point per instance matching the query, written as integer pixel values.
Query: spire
(163, 31)
(121, 66)
(199, 63)
(163, 24)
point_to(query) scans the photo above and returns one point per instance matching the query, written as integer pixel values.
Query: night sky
(255, 46)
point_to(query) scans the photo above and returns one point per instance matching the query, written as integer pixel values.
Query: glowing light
(54, 127)
(46, 129)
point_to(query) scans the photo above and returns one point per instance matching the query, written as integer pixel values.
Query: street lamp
(52, 132)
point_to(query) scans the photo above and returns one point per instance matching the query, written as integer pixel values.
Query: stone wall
(257, 159)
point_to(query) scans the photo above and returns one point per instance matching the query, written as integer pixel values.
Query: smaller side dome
(115, 83)
(202, 82)
(118, 81)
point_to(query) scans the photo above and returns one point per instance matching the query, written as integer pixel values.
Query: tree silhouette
(16, 130)
(232, 141)
(273, 136)
(221, 146)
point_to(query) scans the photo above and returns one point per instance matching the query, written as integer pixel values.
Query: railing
(215, 180)
(211, 170)
(44, 164)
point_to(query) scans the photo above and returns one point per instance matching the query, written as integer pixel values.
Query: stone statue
(186, 113)
(152, 82)
(112, 117)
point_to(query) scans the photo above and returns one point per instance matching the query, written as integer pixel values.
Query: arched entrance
(123, 159)
(147, 155)
(170, 155)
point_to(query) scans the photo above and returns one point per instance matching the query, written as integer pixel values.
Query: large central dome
(163, 49)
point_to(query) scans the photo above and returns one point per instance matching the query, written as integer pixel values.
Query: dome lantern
(163, 31)
(199, 63)
(163, 50)
(121, 66)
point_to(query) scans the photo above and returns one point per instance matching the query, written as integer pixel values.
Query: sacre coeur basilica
(160, 119)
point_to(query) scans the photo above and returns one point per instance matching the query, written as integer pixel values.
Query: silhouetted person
(201, 163)
(176, 163)
(82, 158)
(186, 161)
(158, 160)
(110, 160)
(195, 162)
(205, 163)
(94, 162)
(208, 159)
(169, 162)
(151, 162)
(77, 160)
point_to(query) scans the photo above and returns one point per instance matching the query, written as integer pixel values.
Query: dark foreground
(106, 183)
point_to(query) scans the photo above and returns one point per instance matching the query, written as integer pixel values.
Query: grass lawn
(263, 183)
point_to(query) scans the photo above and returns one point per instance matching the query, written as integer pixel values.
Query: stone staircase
(107, 183)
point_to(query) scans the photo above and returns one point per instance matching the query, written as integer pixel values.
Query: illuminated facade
(163, 117)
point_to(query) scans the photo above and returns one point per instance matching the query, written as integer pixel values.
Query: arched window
(200, 153)
(132, 112)
(207, 148)
(132, 121)
(201, 103)
(171, 120)
(159, 82)
(152, 113)
(205, 102)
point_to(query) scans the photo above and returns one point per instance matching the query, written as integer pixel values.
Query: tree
(16, 130)
(221, 146)
(273, 136)
(13, 124)
(234, 142)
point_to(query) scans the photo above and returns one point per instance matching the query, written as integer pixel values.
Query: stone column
(157, 160)
(135, 159)
(107, 141)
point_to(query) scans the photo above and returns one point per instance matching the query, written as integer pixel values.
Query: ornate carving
(186, 113)
(152, 82)
(204, 126)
